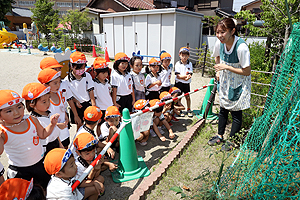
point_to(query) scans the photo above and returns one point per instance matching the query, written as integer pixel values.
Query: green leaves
(6, 7)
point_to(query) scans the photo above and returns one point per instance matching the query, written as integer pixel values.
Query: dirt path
(18, 70)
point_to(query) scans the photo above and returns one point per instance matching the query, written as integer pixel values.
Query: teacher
(233, 71)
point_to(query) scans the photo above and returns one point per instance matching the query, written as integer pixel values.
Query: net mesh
(268, 164)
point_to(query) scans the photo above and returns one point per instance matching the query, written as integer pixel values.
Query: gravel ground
(19, 70)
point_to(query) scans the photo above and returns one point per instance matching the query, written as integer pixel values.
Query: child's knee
(100, 178)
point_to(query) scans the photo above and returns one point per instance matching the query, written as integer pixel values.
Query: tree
(79, 21)
(211, 21)
(276, 24)
(6, 7)
(45, 17)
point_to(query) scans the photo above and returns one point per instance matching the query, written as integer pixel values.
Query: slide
(6, 37)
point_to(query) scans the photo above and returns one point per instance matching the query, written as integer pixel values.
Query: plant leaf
(176, 189)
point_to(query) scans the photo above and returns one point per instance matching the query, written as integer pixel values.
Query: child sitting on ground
(183, 73)
(144, 136)
(20, 137)
(153, 80)
(51, 78)
(110, 126)
(92, 115)
(60, 163)
(167, 109)
(177, 105)
(102, 87)
(157, 118)
(137, 77)
(85, 145)
(37, 103)
(166, 72)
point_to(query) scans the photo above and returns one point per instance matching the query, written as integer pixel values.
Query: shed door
(108, 35)
(129, 39)
(118, 35)
(154, 35)
(141, 34)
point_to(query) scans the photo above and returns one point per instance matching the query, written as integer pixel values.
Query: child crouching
(85, 145)
(144, 136)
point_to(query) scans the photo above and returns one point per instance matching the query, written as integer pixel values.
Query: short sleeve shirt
(102, 94)
(123, 83)
(183, 69)
(150, 78)
(138, 81)
(165, 75)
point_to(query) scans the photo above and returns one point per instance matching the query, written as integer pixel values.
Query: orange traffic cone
(94, 51)
(74, 46)
(106, 55)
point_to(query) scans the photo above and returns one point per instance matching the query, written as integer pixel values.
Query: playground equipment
(6, 37)
(64, 60)
(69, 49)
(25, 31)
(55, 50)
(44, 49)
(267, 165)
(129, 165)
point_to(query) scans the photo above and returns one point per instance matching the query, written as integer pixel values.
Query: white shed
(151, 31)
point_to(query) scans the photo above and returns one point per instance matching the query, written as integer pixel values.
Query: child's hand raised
(111, 153)
(54, 118)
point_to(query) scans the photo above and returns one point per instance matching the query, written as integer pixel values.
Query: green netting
(268, 164)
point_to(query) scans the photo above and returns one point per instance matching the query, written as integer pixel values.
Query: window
(26, 3)
(64, 4)
(61, 13)
(82, 5)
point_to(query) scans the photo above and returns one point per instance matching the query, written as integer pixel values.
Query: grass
(197, 158)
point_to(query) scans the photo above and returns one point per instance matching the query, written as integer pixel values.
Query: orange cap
(78, 58)
(153, 61)
(184, 49)
(111, 112)
(165, 56)
(84, 141)
(56, 159)
(154, 102)
(47, 75)
(165, 96)
(49, 62)
(16, 188)
(92, 113)
(140, 104)
(174, 90)
(100, 63)
(9, 98)
(34, 90)
(121, 56)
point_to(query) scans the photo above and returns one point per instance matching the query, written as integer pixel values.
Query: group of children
(38, 145)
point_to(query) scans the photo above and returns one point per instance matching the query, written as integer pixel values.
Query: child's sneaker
(174, 119)
(160, 130)
(190, 113)
(143, 143)
(182, 114)
(152, 133)
(215, 140)
(170, 124)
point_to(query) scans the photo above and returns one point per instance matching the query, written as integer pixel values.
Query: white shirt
(102, 94)
(150, 78)
(138, 81)
(1, 169)
(66, 92)
(62, 189)
(60, 108)
(105, 131)
(243, 52)
(80, 88)
(183, 69)
(165, 75)
(122, 82)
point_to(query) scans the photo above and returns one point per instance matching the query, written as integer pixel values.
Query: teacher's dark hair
(227, 24)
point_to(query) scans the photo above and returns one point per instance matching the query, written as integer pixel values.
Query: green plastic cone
(210, 114)
(130, 166)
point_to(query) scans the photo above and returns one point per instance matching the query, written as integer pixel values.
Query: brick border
(150, 181)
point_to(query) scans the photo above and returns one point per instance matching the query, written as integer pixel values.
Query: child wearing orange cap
(137, 77)
(102, 87)
(144, 136)
(82, 87)
(168, 108)
(85, 145)
(166, 72)
(37, 103)
(92, 115)
(183, 73)
(20, 137)
(60, 163)
(51, 78)
(153, 79)
(17, 188)
(110, 126)
(121, 82)
(158, 118)
(177, 106)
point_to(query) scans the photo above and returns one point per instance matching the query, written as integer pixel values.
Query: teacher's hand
(219, 67)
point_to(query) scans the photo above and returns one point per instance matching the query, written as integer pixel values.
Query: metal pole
(205, 52)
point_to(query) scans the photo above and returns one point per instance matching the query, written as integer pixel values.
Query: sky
(237, 4)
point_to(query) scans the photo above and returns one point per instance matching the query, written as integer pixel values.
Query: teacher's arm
(246, 71)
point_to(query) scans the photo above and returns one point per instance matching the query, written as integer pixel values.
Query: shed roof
(21, 12)
(137, 4)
